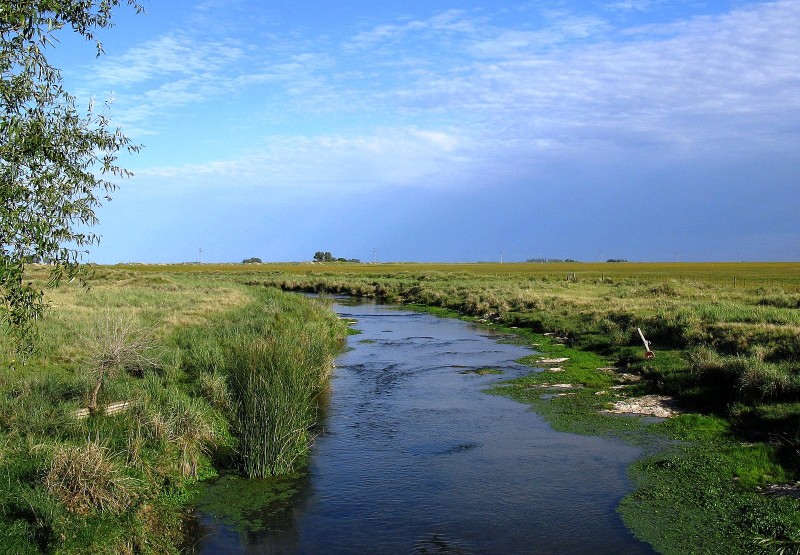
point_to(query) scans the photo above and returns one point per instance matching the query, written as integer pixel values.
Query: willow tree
(56, 162)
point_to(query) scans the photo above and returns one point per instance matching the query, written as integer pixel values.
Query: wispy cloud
(409, 156)
(517, 91)
(632, 5)
(449, 22)
(170, 55)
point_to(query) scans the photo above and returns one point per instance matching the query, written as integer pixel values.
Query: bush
(116, 343)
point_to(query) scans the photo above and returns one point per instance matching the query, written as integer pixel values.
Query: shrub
(116, 343)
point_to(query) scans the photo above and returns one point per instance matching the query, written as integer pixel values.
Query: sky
(451, 131)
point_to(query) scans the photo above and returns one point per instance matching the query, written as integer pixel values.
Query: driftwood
(113, 408)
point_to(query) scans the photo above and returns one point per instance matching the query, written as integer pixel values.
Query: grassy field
(783, 274)
(726, 339)
(144, 384)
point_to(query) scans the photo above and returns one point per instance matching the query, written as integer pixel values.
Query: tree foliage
(321, 256)
(55, 162)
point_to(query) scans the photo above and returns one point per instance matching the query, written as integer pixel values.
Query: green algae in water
(249, 505)
(483, 371)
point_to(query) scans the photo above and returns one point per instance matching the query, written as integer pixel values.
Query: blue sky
(451, 130)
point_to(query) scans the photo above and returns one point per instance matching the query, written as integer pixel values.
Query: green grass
(118, 483)
(700, 500)
(726, 337)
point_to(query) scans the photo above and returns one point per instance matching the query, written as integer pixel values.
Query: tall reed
(262, 366)
(274, 382)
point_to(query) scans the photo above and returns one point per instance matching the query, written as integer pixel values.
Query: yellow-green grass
(111, 483)
(726, 337)
(777, 270)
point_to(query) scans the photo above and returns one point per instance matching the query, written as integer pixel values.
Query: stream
(414, 457)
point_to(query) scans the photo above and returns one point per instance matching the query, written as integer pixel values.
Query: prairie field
(786, 274)
(190, 342)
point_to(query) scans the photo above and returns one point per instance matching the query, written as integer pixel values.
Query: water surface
(414, 458)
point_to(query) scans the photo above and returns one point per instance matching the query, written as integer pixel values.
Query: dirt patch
(784, 490)
(622, 377)
(660, 406)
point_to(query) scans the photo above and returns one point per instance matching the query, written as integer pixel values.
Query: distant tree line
(254, 260)
(545, 260)
(326, 256)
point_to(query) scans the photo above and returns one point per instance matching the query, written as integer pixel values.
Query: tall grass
(270, 360)
(274, 382)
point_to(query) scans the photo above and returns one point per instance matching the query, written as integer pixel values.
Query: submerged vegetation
(142, 386)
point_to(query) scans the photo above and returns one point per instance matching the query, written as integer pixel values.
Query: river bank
(144, 385)
(697, 488)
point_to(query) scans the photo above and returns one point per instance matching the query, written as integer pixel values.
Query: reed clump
(274, 383)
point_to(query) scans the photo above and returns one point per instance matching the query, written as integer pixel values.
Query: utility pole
(501, 257)
(374, 256)
(201, 255)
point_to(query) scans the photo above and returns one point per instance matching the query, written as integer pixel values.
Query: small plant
(763, 380)
(214, 388)
(169, 416)
(89, 477)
